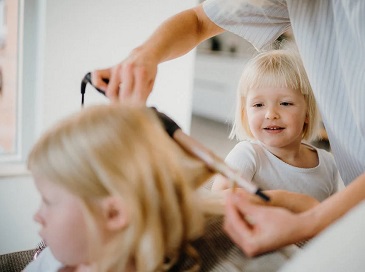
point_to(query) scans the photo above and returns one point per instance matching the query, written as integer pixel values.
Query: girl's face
(276, 116)
(63, 226)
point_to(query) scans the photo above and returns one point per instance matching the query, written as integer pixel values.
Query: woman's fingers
(126, 82)
(98, 76)
(239, 220)
(112, 90)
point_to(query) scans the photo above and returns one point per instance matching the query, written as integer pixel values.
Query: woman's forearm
(179, 34)
(334, 207)
(294, 202)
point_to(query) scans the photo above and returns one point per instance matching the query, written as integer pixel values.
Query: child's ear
(115, 213)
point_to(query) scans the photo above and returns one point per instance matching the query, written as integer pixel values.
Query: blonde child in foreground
(275, 113)
(119, 195)
(105, 177)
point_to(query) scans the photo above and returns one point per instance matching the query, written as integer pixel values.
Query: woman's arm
(272, 228)
(294, 202)
(337, 205)
(174, 37)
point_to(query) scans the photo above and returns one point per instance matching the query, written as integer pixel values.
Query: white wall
(83, 35)
(63, 40)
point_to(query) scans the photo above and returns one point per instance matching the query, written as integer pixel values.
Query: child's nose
(271, 113)
(38, 218)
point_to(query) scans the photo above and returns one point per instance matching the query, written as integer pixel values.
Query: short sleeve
(259, 22)
(336, 180)
(244, 159)
(338, 183)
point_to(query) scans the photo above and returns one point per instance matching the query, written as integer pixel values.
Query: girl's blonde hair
(123, 151)
(275, 68)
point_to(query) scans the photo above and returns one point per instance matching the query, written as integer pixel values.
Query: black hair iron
(211, 160)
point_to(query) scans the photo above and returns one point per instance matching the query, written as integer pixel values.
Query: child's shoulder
(245, 145)
(44, 262)
(320, 151)
(325, 157)
(245, 148)
(249, 144)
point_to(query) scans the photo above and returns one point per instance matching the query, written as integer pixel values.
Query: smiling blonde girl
(276, 119)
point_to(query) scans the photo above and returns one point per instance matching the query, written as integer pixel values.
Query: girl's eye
(258, 105)
(286, 103)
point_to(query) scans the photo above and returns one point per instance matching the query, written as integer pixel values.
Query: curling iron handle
(215, 163)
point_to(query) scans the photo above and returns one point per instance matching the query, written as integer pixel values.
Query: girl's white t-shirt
(44, 262)
(267, 171)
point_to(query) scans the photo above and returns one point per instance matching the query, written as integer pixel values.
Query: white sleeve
(259, 22)
(45, 262)
(243, 158)
(337, 182)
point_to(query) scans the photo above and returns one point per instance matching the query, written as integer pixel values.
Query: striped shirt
(330, 36)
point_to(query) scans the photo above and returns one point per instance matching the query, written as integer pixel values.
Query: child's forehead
(275, 81)
(46, 185)
(273, 94)
(273, 90)
(273, 78)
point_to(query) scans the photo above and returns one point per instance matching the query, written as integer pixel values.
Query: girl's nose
(38, 218)
(271, 113)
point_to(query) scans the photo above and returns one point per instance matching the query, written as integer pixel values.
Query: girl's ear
(115, 214)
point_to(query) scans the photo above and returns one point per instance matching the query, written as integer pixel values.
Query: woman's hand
(131, 80)
(257, 229)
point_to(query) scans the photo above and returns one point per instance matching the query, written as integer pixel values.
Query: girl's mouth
(273, 128)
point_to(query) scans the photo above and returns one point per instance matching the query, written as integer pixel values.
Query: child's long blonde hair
(123, 151)
(275, 68)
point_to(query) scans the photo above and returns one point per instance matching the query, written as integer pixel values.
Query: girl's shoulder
(323, 154)
(243, 155)
(325, 158)
(249, 145)
(245, 148)
(44, 262)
